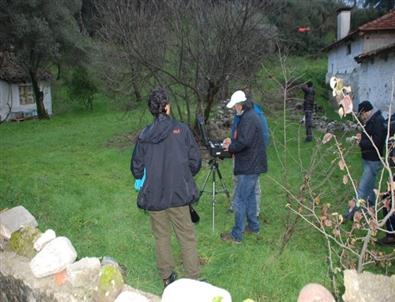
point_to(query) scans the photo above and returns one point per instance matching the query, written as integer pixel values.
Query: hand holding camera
(227, 141)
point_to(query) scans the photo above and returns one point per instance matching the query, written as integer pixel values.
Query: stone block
(53, 258)
(110, 283)
(190, 290)
(368, 287)
(21, 241)
(129, 296)
(13, 219)
(46, 237)
(84, 272)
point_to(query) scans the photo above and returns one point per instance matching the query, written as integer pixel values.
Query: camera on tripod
(216, 150)
(215, 147)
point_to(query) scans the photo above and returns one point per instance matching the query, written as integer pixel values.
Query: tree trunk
(211, 92)
(136, 90)
(38, 96)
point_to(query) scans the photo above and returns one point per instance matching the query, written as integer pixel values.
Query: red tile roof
(11, 71)
(385, 22)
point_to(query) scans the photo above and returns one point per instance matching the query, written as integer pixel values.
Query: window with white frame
(26, 94)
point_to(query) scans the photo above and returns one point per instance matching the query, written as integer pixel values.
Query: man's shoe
(170, 279)
(308, 139)
(247, 230)
(349, 214)
(228, 237)
(387, 240)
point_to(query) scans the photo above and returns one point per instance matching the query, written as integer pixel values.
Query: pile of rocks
(322, 124)
(219, 124)
(39, 266)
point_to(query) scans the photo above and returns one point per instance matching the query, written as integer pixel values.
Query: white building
(365, 59)
(16, 93)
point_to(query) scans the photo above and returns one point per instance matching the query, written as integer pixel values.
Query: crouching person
(168, 153)
(389, 238)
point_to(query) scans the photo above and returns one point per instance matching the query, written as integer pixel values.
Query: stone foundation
(17, 284)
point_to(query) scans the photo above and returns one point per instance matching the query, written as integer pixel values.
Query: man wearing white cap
(249, 152)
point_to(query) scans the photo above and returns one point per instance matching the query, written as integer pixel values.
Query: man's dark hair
(365, 106)
(309, 84)
(157, 101)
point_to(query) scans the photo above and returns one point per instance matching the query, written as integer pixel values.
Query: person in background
(373, 123)
(168, 155)
(250, 161)
(308, 108)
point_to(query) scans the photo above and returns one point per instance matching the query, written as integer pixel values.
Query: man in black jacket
(168, 153)
(308, 108)
(374, 127)
(249, 152)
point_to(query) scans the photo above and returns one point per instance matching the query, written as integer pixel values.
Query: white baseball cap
(237, 97)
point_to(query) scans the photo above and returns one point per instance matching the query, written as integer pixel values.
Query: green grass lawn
(68, 175)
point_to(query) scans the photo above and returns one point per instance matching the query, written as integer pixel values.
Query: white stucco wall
(375, 82)
(377, 40)
(339, 62)
(9, 94)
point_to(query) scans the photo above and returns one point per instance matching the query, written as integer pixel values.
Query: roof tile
(386, 21)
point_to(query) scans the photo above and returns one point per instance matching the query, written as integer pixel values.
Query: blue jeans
(368, 181)
(258, 193)
(245, 205)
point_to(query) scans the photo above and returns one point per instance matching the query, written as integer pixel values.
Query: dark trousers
(162, 223)
(308, 120)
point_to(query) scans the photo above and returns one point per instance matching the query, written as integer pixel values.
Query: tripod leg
(205, 182)
(222, 183)
(213, 201)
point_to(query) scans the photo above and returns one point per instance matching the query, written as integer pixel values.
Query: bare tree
(193, 46)
(131, 43)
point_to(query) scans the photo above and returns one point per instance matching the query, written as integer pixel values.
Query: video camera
(215, 147)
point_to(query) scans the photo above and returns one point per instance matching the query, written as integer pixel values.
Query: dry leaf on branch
(341, 164)
(328, 223)
(327, 137)
(336, 232)
(341, 112)
(345, 179)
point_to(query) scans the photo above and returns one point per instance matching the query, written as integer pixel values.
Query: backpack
(266, 134)
(259, 111)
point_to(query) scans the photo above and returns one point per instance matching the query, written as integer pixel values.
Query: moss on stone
(110, 282)
(22, 241)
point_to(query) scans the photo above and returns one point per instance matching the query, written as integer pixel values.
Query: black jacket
(309, 94)
(376, 129)
(171, 157)
(248, 146)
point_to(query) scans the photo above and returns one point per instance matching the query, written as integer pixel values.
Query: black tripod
(214, 169)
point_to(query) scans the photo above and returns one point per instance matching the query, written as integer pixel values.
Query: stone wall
(42, 267)
(17, 284)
